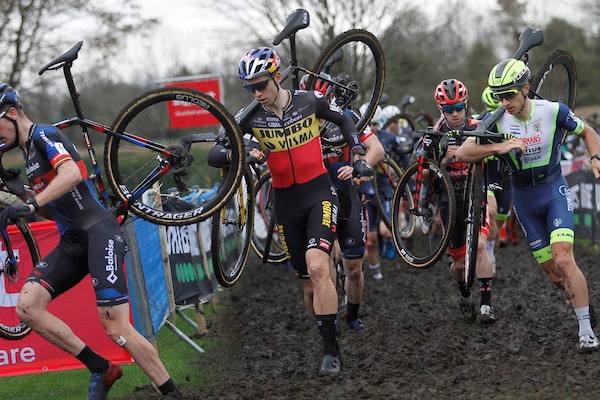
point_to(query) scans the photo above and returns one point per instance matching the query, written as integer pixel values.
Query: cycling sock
(351, 311)
(583, 317)
(93, 361)
(485, 288)
(327, 326)
(464, 291)
(168, 387)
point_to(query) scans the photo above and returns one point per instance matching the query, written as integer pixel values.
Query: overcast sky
(193, 32)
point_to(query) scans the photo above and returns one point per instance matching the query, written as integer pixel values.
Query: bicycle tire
(426, 244)
(368, 69)
(232, 234)
(11, 328)
(407, 122)
(423, 120)
(556, 79)
(264, 212)
(386, 172)
(474, 197)
(127, 164)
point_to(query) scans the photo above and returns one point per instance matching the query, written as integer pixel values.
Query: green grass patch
(178, 357)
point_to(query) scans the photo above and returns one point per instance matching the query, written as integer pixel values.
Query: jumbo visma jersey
(294, 141)
(47, 149)
(542, 134)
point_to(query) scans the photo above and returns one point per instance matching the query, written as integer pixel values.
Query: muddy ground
(417, 345)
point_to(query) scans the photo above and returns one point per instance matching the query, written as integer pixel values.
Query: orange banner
(77, 308)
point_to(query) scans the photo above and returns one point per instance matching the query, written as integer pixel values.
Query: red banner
(77, 308)
(182, 111)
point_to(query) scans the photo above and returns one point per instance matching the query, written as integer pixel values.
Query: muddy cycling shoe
(588, 344)
(467, 308)
(488, 316)
(357, 326)
(330, 365)
(101, 383)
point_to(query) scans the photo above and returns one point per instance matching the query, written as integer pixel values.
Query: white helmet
(389, 112)
(376, 116)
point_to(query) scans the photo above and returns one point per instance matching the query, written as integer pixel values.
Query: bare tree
(26, 27)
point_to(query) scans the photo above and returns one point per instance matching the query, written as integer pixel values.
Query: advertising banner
(77, 308)
(188, 116)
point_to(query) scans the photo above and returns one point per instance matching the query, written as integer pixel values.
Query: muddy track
(417, 345)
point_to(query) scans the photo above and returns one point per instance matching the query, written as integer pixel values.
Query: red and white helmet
(451, 91)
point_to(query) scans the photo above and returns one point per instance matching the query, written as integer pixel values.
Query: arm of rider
(471, 151)
(450, 156)
(592, 144)
(374, 154)
(67, 177)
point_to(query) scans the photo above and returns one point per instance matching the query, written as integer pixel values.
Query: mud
(417, 345)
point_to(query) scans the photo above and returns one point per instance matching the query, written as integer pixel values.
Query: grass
(176, 355)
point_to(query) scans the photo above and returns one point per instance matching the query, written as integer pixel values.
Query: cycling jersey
(541, 196)
(458, 171)
(47, 149)
(543, 136)
(293, 140)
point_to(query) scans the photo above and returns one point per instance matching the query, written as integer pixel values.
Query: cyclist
(379, 236)
(498, 192)
(452, 96)
(89, 236)
(351, 229)
(306, 204)
(541, 197)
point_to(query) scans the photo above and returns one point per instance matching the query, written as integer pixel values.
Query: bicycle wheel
(188, 123)
(405, 121)
(263, 216)
(474, 197)
(556, 79)
(232, 234)
(386, 177)
(423, 120)
(362, 60)
(430, 200)
(26, 252)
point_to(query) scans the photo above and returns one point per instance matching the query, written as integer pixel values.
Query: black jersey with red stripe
(458, 171)
(47, 149)
(293, 140)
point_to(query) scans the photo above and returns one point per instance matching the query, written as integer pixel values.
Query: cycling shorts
(98, 251)
(352, 224)
(495, 177)
(545, 212)
(306, 216)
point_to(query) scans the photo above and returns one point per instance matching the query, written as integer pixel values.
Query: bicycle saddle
(298, 19)
(69, 56)
(528, 39)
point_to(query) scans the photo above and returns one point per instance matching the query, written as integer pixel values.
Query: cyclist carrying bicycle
(351, 228)
(89, 236)
(306, 204)
(541, 196)
(452, 96)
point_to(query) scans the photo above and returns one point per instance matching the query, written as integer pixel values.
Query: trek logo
(111, 261)
(289, 137)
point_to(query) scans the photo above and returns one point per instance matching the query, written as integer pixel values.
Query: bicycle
(155, 143)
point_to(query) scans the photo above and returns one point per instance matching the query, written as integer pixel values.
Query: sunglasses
(450, 108)
(260, 86)
(508, 95)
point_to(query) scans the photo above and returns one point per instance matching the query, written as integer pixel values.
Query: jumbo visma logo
(289, 137)
(188, 272)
